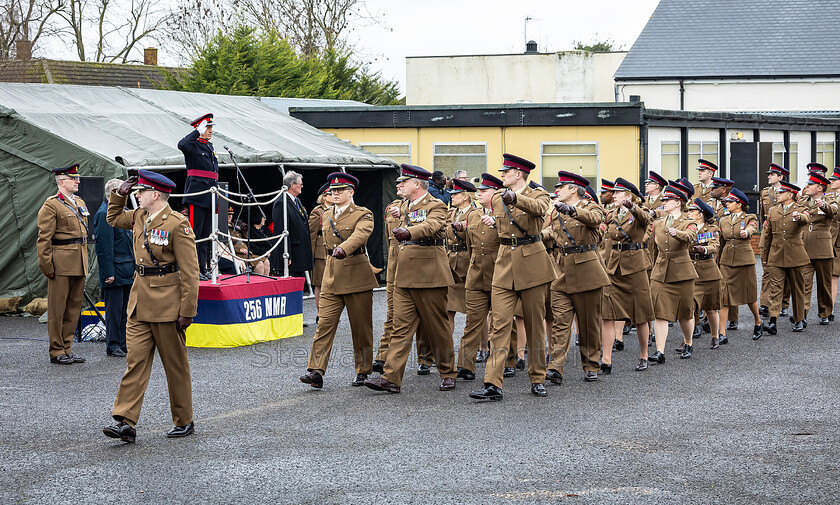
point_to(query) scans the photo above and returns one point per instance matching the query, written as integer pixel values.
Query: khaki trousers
(793, 277)
(141, 339)
(587, 306)
(64, 308)
(503, 302)
(382, 352)
(822, 268)
(478, 306)
(360, 313)
(411, 305)
(764, 296)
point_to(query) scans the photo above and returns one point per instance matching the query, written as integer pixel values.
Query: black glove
(401, 234)
(563, 208)
(627, 204)
(698, 249)
(339, 253)
(458, 226)
(125, 188)
(509, 197)
(183, 323)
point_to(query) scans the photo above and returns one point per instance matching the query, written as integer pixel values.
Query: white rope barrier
(278, 238)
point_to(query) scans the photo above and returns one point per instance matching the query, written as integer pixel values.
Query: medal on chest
(417, 216)
(83, 210)
(159, 237)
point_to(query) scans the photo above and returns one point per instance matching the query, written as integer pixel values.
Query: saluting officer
(523, 268)
(422, 279)
(783, 249)
(63, 258)
(769, 195)
(202, 174)
(162, 303)
(580, 277)
(348, 282)
(705, 171)
(819, 244)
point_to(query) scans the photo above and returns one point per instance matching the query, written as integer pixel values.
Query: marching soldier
(720, 189)
(348, 282)
(392, 219)
(705, 171)
(580, 276)
(483, 247)
(819, 244)
(703, 250)
(162, 303)
(202, 174)
(422, 279)
(316, 237)
(653, 190)
(459, 257)
(63, 258)
(783, 249)
(769, 195)
(523, 268)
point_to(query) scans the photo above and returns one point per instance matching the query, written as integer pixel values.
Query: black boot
(490, 392)
(770, 327)
(686, 353)
(763, 311)
(757, 332)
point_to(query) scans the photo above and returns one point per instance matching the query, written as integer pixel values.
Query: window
(670, 169)
(472, 157)
(578, 158)
(825, 155)
(399, 153)
(779, 158)
(701, 150)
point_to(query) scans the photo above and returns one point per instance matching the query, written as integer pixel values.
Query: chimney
(23, 49)
(531, 47)
(150, 56)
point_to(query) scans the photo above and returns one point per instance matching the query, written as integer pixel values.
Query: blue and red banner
(234, 313)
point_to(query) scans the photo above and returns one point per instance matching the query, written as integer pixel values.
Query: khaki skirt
(673, 301)
(707, 294)
(318, 271)
(739, 285)
(456, 298)
(630, 298)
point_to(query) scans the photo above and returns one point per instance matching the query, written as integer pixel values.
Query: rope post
(286, 241)
(214, 220)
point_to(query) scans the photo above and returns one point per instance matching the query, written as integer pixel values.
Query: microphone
(229, 151)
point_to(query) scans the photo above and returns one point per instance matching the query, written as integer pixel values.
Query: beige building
(531, 77)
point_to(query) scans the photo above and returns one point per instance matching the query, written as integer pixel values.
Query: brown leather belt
(629, 247)
(575, 249)
(159, 270)
(68, 241)
(528, 239)
(357, 251)
(424, 242)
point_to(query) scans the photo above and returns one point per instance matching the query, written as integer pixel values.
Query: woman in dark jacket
(115, 255)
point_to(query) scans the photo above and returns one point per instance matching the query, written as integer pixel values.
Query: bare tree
(24, 20)
(192, 22)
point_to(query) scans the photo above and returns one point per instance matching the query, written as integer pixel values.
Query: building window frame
(402, 144)
(484, 155)
(678, 155)
(596, 154)
(821, 152)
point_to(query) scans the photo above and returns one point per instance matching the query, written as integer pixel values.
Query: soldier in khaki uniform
(581, 277)
(523, 268)
(705, 172)
(391, 222)
(775, 175)
(348, 282)
(703, 251)
(720, 191)
(483, 247)
(783, 249)
(316, 238)
(162, 303)
(819, 244)
(459, 257)
(63, 258)
(422, 279)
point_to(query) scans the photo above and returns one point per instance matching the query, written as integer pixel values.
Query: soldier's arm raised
(117, 216)
(687, 235)
(535, 206)
(591, 216)
(641, 214)
(752, 225)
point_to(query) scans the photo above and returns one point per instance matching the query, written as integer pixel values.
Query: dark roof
(43, 71)
(747, 38)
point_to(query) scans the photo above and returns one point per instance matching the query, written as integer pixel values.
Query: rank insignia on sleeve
(186, 230)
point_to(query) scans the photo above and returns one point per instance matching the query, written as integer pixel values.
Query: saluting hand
(338, 253)
(508, 197)
(458, 226)
(672, 232)
(183, 323)
(401, 234)
(488, 221)
(125, 188)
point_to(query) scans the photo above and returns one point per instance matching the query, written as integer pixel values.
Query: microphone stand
(248, 199)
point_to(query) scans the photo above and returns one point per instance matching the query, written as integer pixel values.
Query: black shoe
(723, 339)
(465, 374)
(698, 330)
(657, 357)
(706, 326)
(181, 431)
(625, 330)
(490, 392)
(509, 372)
(731, 325)
(359, 380)
(379, 366)
(119, 353)
(798, 326)
(520, 364)
(538, 390)
(554, 377)
(642, 366)
(76, 359)
(423, 370)
(831, 317)
(769, 328)
(681, 348)
(715, 343)
(823, 321)
(204, 276)
(606, 369)
(784, 312)
(763, 311)
(590, 376)
(314, 379)
(618, 345)
(121, 430)
(482, 356)
(62, 359)
(686, 353)
(756, 332)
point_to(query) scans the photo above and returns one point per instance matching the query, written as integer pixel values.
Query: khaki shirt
(673, 263)
(483, 247)
(781, 238)
(708, 236)
(581, 271)
(635, 224)
(58, 221)
(353, 274)
(817, 235)
(423, 266)
(459, 261)
(737, 251)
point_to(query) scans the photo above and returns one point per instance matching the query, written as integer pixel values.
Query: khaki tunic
(316, 238)
(629, 295)
(783, 249)
(819, 243)
(393, 249)
(459, 260)
(737, 259)
(703, 192)
(707, 284)
(673, 274)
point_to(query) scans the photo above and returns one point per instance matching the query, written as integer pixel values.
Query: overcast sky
(454, 27)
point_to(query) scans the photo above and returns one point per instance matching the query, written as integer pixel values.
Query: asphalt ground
(751, 422)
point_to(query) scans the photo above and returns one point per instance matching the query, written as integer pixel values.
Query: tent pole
(214, 216)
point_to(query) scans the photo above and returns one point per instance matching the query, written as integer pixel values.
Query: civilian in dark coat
(300, 247)
(116, 274)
